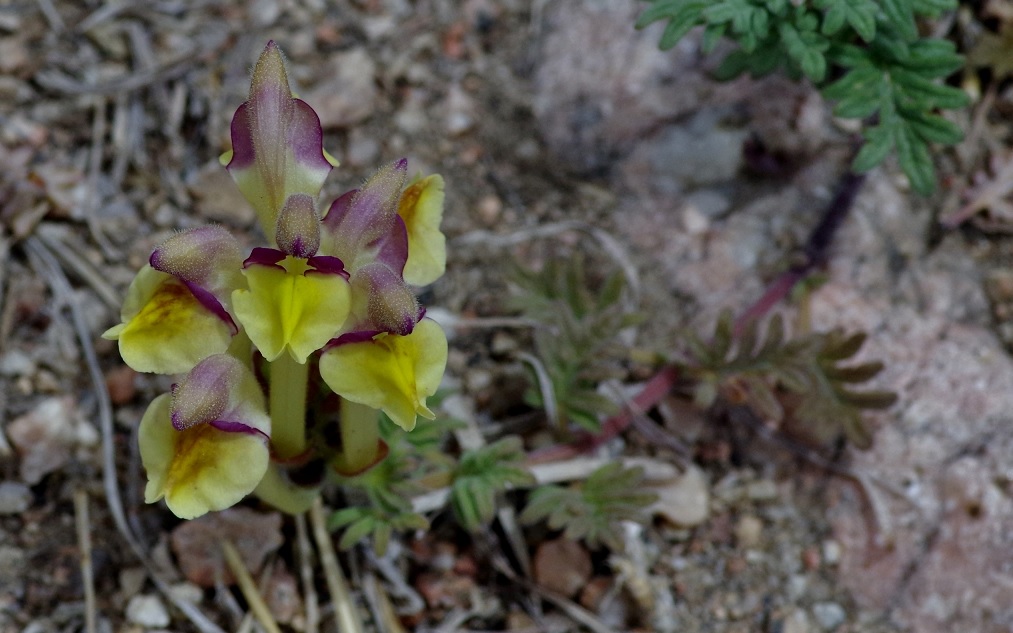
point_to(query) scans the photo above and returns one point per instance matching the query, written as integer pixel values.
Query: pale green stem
(289, 380)
(360, 436)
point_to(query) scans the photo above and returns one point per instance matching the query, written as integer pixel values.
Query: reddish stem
(656, 388)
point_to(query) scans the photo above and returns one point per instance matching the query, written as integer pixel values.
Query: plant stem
(815, 251)
(289, 381)
(360, 437)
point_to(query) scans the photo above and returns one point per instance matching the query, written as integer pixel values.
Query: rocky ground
(545, 118)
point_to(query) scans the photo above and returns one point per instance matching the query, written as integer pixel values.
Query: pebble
(362, 149)
(562, 565)
(218, 198)
(831, 552)
(490, 207)
(796, 622)
(748, 530)
(829, 615)
(147, 610)
(685, 500)
(346, 93)
(132, 581)
(459, 111)
(16, 363)
(763, 490)
(15, 497)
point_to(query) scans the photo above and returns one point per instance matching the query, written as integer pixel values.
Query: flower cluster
(290, 353)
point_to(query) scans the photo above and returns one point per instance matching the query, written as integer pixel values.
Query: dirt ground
(549, 121)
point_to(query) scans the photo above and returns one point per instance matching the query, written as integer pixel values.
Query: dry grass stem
(83, 524)
(348, 618)
(249, 588)
(312, 607)
(381, 606)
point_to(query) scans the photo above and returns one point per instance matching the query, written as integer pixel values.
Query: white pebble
(147, 610)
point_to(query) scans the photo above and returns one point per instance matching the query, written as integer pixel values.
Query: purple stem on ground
(815, 251)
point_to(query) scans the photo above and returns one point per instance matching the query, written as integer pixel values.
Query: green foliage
(593, 510)
(806, 373)
(375, 522)
(887, 73)
(389, 486)
(576, 342)
(483, 473)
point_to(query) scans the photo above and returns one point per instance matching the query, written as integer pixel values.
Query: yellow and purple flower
(329, 294)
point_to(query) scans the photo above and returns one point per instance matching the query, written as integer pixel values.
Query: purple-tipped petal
(277, 142)
(359, 336)
(388, 302)
(261, 256)
(207, 260)
(393, 247)
(298, 229)
(222, 392)
(204, 393)
(327, 265)
(357, 220)
(236, 427)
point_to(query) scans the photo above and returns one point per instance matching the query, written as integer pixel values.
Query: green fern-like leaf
(799, 382)
(593, 510)
(376, 523)
(482, 474)
(888, 74)
(576, 342)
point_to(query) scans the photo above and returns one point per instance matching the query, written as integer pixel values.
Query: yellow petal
(200, 469)
(392, 373)
(165, 329)
(285, 309)
(421, 208)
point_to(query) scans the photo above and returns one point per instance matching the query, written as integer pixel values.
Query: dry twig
(349, 620)
(83, 525)
(248, 587)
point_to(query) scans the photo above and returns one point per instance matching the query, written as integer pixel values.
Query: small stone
(147, 610)
(132, 581)
(829, 615)
(710, 203)
(265, 12)
(762, 490)
(15, 363)
(831, 552)
(458, 111)
(187, 592)
(478, 379)
(796, 622)
(594, 591)
(562, 565)
(748, 530)
(811, 558)
(218, 198)
(502, 344)
(197, 547)
(120, 383)
(685, 500)
(45, 437)
(489, 209)
(347, 92)
(15, 497)
(362, 149)
(694, 221)
(411, 118)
